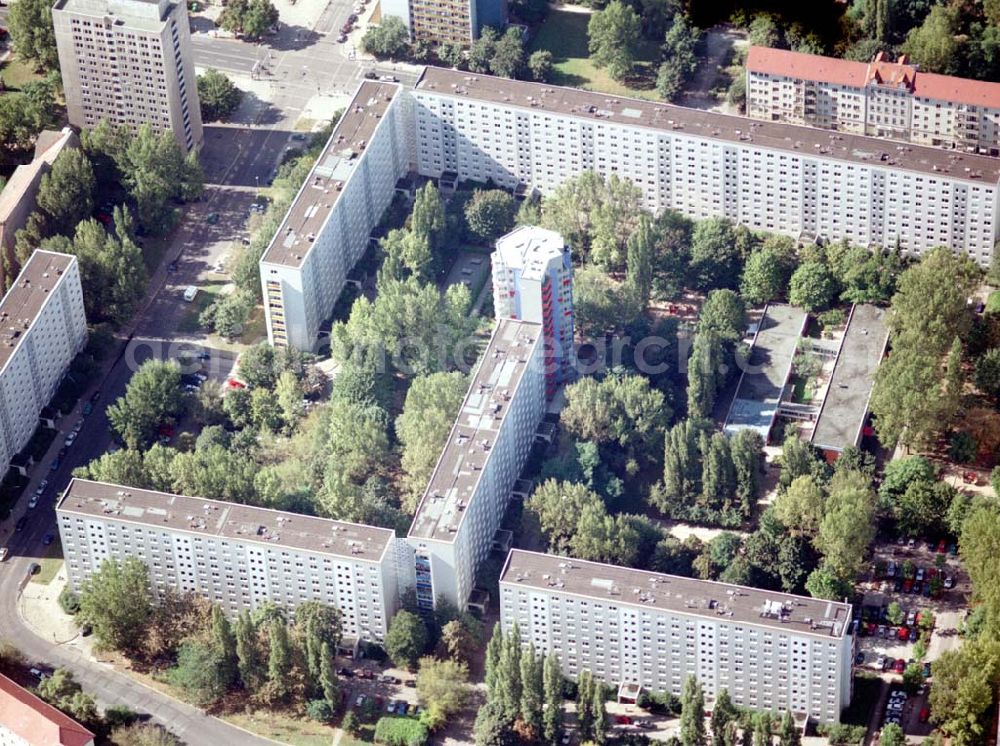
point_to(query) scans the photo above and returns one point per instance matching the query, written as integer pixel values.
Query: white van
(190, 293)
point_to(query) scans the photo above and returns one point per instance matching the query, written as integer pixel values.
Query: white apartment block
(42, 328)
(327, 228)
(771, 651)
(882, 98)
(771, 176)
(533, 281)
(129, 62)
(465, 500)
(237, 556)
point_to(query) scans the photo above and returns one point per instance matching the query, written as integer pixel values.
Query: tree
(224, 642)
(112, 271)
(894, 613)
(963, 690)
(724, 717)
(932, 45)
(980, 546)
(800, 506)
(279, 659)
(764, 31)
(490, 213)
(248, 653)
(152, 396)
(584, 709)
(218, 95)
(442, 687)
(66, 192)
(764, 277)
(493, 727)
(725, 314)
(798, 458)
(31, 30)
(251, 18)
(387, 40)
(715, 259)
(789, 733)
(705, 374)
(328, 677)
(458, 639)
(482, 50)
(923, 507)
(552, 689)
(598, 714)
(532, 691)
(679, 57)
(847, 529)
(406, 639)
(540, 65)
(63, 692)
(692, 713)
(117, 602)
(427, 218)
(199, 673)
(892, 735)
(824, 582)
(641, 245)
(812, 287)
(613, 34)
(318, 628)
(987, 375)
(509, 674)
(143, 734)
(508, 54)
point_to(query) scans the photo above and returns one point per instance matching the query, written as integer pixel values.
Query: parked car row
(894, 707)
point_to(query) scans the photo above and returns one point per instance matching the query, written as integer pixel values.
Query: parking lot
(925, 585)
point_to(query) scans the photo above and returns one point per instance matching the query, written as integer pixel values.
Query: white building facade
(770, 651)
(768, 176)
(881, 98)
(237, 556)
(42, 328)
(463, 506)
(533, 281)
(129, 62)
(326, 230)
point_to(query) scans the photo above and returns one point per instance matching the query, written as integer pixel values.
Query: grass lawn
(283, 727)
(51, 561)
(993, 302)
(206, 294)
(564, 33)
(802, 391)
(16, 73)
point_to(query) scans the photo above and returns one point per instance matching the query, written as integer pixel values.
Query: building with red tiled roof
(881, 98)
(26, 720)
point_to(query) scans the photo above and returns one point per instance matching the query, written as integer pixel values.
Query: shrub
(69, 601)
(319, 710)
(350, 723)
(398, 731)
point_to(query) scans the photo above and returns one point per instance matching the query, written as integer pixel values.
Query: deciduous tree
(613, 34)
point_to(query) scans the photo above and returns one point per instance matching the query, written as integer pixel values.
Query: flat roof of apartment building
(141, 15)
(470, 443)
(808, 141)
(245, 523)
(530, 249)
(880, 71)
(845, 407)
(766, 370)
(26, 298)
(328, 177)
(721, 602)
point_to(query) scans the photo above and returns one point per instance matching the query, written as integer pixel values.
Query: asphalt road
(195, 245)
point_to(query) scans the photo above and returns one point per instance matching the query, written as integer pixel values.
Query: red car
(623, 720)
(942, 546)
(903, 634)
(872, 629)
(907, 585)
(899, 666)
(925, 715)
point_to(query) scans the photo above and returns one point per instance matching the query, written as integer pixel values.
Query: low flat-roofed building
(42, 328)
(766, 370)
(770, 650)
(465, 500)
(842, 417)
(27, 720)
(238, 556)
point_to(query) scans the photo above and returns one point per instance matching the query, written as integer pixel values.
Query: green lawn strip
(564, 34)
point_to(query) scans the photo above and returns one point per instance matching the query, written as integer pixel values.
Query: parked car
(949, 581)
(21, 523)
(902, 634)
(55, 465)
(623, 720)
(899, 666)
(70, 439)
(48, 538)
(911, 618)
(3, 553)
(41, 487)
(880, 662)
(78, 426)
(859, 658)
(925, 715)
(412, 683)
(360, 701)
(914, 634)
(920, 573)
(87, 409)
(32, 502)
(927, 670)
